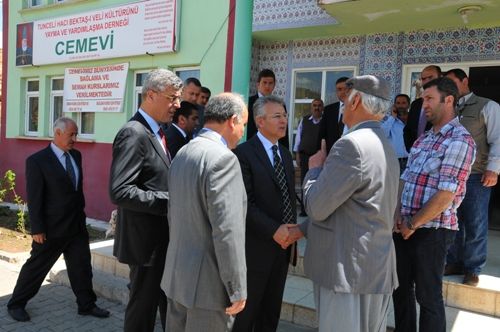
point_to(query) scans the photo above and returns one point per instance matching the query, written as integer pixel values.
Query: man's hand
(405, 231)
(294, 233)
(489, 179)
(39, 238)
(236, 307)
(281, 236)
(394, 112)
(318, 159)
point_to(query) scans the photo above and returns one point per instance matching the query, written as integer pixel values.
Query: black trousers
(146, 296)
(420, 263)
(43, 256)
(265, 289)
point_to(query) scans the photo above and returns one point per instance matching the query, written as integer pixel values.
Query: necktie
(285, 196)
(69, 169)
(422, 122)
(164, 143)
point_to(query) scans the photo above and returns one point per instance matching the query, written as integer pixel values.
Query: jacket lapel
(152, 138)
(263, 157)
(56, 164)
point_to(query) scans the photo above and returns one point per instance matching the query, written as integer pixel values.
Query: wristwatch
(409, 225)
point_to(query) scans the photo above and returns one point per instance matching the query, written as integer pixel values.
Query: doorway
(485, 82)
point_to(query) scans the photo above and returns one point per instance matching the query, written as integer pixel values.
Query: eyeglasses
(172, 98)
(279, 116)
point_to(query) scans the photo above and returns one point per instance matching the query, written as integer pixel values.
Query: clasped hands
(287, 234)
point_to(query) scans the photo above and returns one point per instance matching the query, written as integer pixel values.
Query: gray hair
(159, 79)
(62, 122)
(223, 106)
(258, 107)
(374, 105)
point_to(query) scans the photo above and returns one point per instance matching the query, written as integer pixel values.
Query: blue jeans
(420, 263)
(470, 247)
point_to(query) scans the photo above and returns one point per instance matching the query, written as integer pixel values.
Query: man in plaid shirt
(431, 189)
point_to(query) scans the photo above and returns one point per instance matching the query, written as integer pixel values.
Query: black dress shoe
(94, 311)
(471, 279)
(19, 314)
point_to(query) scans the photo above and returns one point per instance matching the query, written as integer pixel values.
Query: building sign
(95, 89)
(144, 27)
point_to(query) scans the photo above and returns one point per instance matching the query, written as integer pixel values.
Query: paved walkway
(53, 309)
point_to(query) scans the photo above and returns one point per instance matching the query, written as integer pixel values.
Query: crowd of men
(208, 227)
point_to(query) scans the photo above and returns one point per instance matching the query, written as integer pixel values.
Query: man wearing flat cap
(350, 197)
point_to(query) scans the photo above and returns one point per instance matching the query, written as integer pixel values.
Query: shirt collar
(180, 129)
(464, 99)
(267, 143)
(58, 151)
(151, 122)
(219, 136)
(314, 120)
(446, 128)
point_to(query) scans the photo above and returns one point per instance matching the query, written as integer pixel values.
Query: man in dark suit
(265, 87)
(417, 123)
(138, 185)
(56, 210)
(268, 174)
(180, 132)
(331, 126)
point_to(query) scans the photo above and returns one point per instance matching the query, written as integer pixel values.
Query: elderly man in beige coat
(350, 197)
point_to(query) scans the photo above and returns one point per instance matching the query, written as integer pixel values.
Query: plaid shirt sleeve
(456, 164)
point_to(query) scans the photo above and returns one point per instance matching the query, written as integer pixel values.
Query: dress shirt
(155, 127)
(299, 132)
(438, 161)
(491, 114)
(62, 159)
(268, 146)
(393, 129)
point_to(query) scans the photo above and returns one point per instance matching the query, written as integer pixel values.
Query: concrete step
(299, 308)
(111, 278)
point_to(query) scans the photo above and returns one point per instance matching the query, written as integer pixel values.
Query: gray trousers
(344, 312)
(183, 319)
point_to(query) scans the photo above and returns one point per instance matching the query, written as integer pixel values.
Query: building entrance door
(485, 82)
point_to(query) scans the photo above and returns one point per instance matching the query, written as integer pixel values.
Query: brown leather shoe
(471, 279)
(452, 269)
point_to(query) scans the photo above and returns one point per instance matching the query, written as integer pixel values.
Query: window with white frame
(187, 72)
(86, 121)
(412, 86)
(139, 78)
(309, 84)
(34, 3)
(31, 114)
(56, 101)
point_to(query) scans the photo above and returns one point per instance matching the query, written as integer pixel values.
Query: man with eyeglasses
(139, 187)
(268, 174)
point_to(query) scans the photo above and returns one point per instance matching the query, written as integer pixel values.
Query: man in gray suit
(350, 197)
(205, 269)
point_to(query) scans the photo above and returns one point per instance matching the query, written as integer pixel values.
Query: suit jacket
(351, 203)
(54, 206)
(264, 200)
(138, 185)
(175, 140)
(411, 128)
(329, 127)
(205, 266)
(252, 127)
